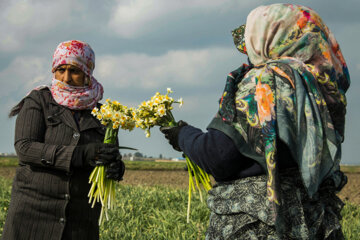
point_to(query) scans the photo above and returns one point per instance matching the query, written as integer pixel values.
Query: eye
(60, 70)
(76, 71)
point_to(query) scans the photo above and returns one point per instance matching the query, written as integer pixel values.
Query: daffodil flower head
(147, 133)
(181, 102)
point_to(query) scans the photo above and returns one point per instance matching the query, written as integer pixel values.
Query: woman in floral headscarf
(274, 146)
(58, 143)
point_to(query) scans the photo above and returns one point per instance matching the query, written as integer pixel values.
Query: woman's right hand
(172, 134)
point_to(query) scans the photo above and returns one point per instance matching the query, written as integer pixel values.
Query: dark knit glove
(116, 169)
(172, 134)
(94, 154)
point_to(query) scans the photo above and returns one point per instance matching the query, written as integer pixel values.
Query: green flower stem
(102, 189)
(191, 186)
(196, 175)
(200, 175)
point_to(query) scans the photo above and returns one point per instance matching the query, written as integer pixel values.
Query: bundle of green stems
(196, 174)
(103, 189)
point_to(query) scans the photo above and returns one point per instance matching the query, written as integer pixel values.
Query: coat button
(45, 162)
(62, 220)
(76, 135)
(67, 197)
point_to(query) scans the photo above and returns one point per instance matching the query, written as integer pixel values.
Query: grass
(155, 213)
(160, 213)
(5, 189)
(151, 165)
(351, 221)
(142, 213)
(8, 161)
(130, 165)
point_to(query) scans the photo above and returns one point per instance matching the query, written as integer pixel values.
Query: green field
(142, 213)
(150, 165)
(159, 212)
(8, 161)
(130, 165)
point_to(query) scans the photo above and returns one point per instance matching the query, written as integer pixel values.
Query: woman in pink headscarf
(58, 143)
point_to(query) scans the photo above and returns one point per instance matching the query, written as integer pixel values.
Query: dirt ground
(351, 191)
(179, 179)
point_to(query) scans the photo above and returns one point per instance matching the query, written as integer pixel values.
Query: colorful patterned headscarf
(75, 53)
(81, 55)
(295, 31)
(295, 92)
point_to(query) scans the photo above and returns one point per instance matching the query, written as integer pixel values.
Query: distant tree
(138, 154)
(160, 156)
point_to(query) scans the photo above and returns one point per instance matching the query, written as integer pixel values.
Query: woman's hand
(94, 154)
(172, 134)
(116, 169)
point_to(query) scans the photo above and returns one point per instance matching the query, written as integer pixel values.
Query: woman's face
(70, 75)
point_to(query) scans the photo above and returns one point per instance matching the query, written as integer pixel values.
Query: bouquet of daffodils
(157, 111)
(114, 116)
(154, 112)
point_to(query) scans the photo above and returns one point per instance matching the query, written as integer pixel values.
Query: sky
(145, 46)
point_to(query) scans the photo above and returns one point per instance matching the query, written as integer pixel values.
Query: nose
(67, 77)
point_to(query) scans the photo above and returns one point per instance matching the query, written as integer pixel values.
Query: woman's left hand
(116, 169)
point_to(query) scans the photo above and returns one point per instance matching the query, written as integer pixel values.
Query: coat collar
(88, 121)
(65, 115)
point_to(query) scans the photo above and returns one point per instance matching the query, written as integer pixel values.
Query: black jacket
(49, 198)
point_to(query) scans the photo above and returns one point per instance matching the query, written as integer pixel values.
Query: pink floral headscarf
(76, 53)
(81, 55)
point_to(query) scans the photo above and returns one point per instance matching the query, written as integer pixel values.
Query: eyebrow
(70, 68)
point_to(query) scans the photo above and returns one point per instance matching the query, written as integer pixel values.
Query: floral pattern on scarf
(296, 31)
(77, 98)
(76, 53)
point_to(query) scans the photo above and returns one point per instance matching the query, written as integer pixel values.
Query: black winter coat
(49, 198)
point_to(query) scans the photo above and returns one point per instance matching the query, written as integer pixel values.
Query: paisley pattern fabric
(77, 98)
(227, 108)
(288, 30)
(239, 39)
(76, 53)
(295, 92)
(241, 210)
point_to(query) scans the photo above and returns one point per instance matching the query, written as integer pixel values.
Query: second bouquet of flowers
(157, 111)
